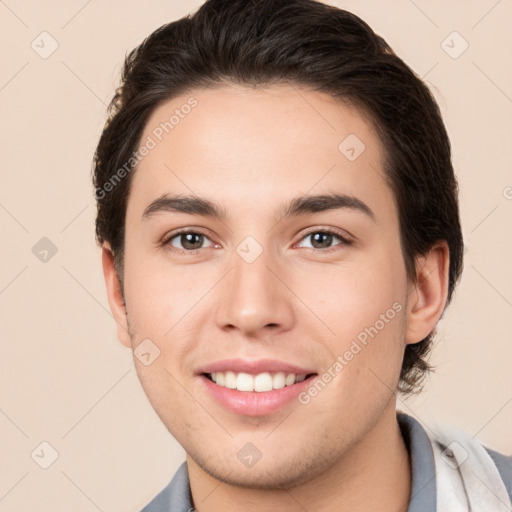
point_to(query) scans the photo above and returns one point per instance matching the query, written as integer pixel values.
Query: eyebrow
(303, 205)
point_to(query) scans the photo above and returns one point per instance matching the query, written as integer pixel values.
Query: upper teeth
(261, 382)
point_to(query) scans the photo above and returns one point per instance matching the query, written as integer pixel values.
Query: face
(303, 298)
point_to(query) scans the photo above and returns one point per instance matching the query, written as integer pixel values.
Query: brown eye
(323, 239)
(187, 241)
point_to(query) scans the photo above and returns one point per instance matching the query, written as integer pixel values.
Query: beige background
(64, 377)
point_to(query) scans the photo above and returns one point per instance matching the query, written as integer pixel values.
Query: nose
(254, 298)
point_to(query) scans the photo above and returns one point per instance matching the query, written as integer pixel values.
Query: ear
(115, 297)
(427, 297)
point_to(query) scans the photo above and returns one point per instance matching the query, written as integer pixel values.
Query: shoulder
(424, 443)
(504, 465)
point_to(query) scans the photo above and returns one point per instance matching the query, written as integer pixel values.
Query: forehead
(245, 145)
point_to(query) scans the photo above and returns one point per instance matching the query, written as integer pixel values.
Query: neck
(374, 475)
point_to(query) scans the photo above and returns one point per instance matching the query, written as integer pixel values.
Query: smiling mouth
(262, 382)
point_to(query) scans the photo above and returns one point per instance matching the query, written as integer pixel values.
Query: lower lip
(254, 403)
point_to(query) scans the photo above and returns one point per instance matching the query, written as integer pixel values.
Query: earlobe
(115, 296)
(427, 297)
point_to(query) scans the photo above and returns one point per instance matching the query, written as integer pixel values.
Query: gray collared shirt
(176, 496)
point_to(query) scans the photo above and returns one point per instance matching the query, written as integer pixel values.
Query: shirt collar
(421, 456)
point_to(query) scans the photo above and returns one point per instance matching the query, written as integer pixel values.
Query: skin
(251, 150)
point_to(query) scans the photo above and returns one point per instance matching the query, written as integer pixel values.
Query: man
(280, 230)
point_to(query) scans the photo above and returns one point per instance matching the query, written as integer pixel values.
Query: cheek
(163, 389)
(159, 294)
(362, 308)
(350, 296)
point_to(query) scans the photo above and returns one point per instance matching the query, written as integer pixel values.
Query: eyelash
(344, 241)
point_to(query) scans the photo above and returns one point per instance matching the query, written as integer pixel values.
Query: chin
(270, 474)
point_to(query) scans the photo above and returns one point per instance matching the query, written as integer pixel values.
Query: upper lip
(254, 367)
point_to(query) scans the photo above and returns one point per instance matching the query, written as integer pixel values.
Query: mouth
(257, 394)
(259, 383)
